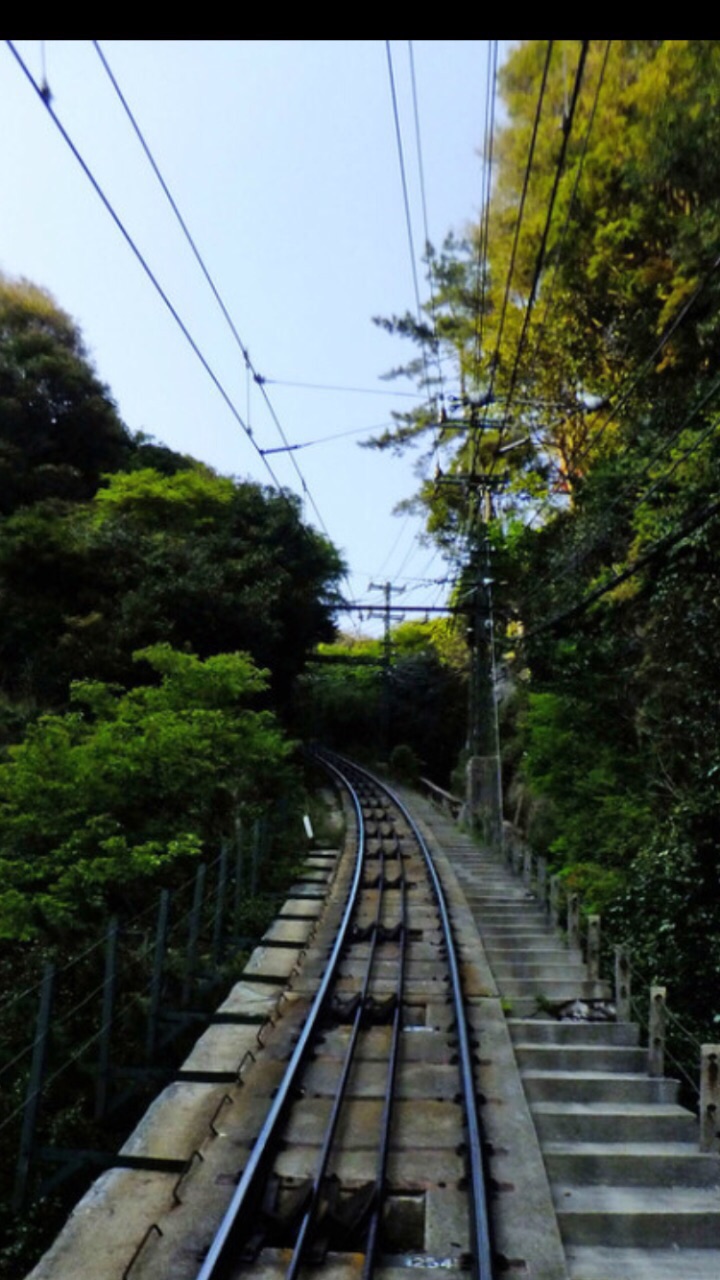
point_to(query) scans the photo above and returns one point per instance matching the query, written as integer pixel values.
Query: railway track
(355, 1147)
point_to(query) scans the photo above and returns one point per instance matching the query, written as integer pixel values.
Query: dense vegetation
(155, 618)
(113, 548)
(402, 703)
(589, 344)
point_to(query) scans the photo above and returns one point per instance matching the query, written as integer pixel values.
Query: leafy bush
(93, 801)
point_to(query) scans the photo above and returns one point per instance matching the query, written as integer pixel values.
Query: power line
(540, 257)
(45, 99)
(658, 549)
(211, 283)
(579, 555)
(322, 386)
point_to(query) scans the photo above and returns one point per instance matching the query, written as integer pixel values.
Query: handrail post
(555, 901)
(573, 921)
(527, 867)
(710, 1097)
(542, 882)
(657, 1031)
(622, 984)
(34, 1087)
(593, 948)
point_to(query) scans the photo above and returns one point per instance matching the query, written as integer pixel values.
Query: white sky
(282, 157)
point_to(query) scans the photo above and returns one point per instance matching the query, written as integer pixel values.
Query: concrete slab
(369, 1080)
(407, 1170)
(272, 962)
(106, 1226)
(434, 1125)
(222, 1048)
(289, 931)
(178, 1121)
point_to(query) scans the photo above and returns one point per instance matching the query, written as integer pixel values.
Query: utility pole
(483, 795)
(484, 768)
(388, 589)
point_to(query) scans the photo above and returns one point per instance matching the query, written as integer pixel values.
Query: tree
(59, 428)
(193, 559)
(592, 352)
(342, 696)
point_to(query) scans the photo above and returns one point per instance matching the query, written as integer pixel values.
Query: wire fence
(85, 1046)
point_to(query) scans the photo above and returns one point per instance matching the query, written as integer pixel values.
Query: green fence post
(193, 934)
(34, 1088)
(108, 1005)
(157, 975)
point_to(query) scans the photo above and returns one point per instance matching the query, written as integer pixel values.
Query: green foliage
(95, 801)
(594, 813)
(404, 764)
(346, 698)
(193, 559)
(59, 429)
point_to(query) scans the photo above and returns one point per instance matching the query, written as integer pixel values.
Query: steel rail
(331, 1128)
(479, 1217)
(218, 1257)
(386, 1121)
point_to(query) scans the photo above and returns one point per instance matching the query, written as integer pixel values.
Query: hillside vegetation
(582, 321)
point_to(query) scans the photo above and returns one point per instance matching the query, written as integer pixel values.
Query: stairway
(635, 1199)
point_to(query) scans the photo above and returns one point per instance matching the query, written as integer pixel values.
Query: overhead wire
(540, 256)
(467, 519)
(495, 360)
(423, 204)
(662, 545)
(259, 380)
(322, 386)
(412, 253)
(483, 238)
(466, 522)
(578, 555)
(689, 303)
(406, 197)
(139, 257)
(45, 96)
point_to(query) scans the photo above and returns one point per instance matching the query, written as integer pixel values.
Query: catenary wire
(139, 257)
(209, 279)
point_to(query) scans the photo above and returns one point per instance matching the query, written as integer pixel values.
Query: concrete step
(525, 942)
(581, 1057)
(508, 913)
(605, 1263)
(631, 1164)
(550, 1031)
(544, 947)
(555, 991)
(635, 1198)
(613, 1122)
(597, 1086)
(562, 970)
(641, 1217)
